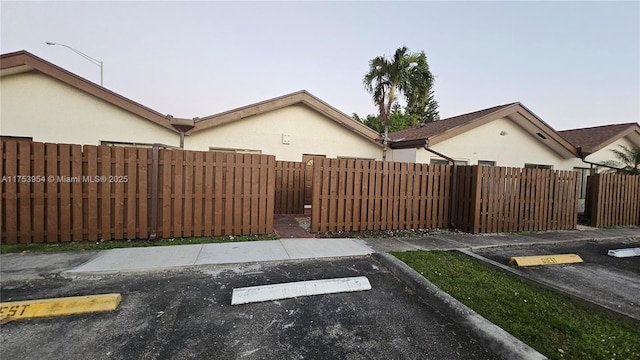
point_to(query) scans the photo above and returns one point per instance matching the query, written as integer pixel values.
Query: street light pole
(94, 61)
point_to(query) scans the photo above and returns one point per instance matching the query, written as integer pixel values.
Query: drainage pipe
(453, 196)
(583, 158)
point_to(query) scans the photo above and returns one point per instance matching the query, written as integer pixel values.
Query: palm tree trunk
(385, 141)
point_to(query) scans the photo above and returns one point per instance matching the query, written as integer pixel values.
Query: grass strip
(106, 245)
(552, 323)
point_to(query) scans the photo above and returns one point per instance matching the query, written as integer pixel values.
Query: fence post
(476, 194)
(153, 222)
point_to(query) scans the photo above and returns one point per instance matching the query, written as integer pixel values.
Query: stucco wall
(37, 106)
(515, 148)
(309, 133)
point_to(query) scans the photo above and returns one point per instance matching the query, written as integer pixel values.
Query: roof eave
(24, 58)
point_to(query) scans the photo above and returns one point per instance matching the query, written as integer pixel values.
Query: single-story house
(289, 127)
(510, 135)
(47, 103)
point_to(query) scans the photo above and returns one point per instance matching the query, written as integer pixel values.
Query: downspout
(453, 196)
(182, 125)
(583, 156)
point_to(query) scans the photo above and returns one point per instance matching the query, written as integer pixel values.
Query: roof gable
(441, 130)
(23, 61)
(299, 97)
(592, 139)
(433, 129)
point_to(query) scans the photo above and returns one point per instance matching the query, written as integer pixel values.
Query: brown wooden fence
(60, 192)
(499, 199)
(614, 200)
(357, 195)
(289, 196)
(350, 195)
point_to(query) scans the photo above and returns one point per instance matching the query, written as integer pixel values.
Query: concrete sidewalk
(41, 265)
(24, 266)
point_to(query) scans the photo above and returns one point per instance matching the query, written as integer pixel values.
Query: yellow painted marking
(545, 259)
(58, 307)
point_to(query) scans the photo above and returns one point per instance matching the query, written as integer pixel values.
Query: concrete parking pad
(239, 252)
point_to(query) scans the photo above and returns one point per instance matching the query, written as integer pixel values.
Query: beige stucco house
(505, 135)
(288, 127)
(511, 135)
(46, 103)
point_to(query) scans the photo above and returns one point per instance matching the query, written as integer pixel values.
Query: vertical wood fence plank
(51, 151)
(177, 192)
(166, 174)
(116, 181)
(76, 193)
(39, 218)
(254, 173)
(143, 186)
(24, 208)
(271, 179)
(187, 207)
(90, 162)
(64, 192)
(11, 192)
(198, 194)
(131, 204)
(104, 153)
(349, 194)
(211, 185)
(245, 194)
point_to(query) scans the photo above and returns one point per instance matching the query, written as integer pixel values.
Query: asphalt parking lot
(186, 314)
(610, 282)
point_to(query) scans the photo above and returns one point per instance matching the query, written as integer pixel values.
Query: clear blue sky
(574, 64)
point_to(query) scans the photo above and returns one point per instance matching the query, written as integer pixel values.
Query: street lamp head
(94, 61)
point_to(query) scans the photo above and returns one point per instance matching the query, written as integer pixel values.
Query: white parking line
(296, 289)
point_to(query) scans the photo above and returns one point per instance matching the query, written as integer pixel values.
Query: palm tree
(628, 160)
(405, 73)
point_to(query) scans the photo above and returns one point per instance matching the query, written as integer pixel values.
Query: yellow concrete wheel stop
(539, 260)
(58, 306)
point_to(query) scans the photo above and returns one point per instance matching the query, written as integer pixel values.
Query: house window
(126, 144)
(236, 151)
(355, 158)
(486, 163)
(538, 166)
(446, 162)
(16, 138)
(439, 162)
